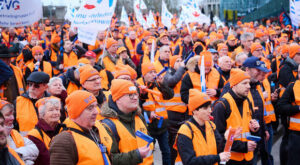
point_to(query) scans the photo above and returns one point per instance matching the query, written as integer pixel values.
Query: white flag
(95, 14)
(202, 75)
(87, 36)
(138, 13)
(20, 13)
(150, 19)
(166, 16)
(124, 17)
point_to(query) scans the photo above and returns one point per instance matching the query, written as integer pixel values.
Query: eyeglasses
(94, 79)
(133, 95)
(35, 85)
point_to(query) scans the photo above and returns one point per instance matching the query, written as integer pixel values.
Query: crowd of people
(67, 102)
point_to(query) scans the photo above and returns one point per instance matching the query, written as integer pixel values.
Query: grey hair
(162, 47)
(221, 59)
(53, 79)
(246, 35)
(52, 102)
(237, 57)
(9, 105)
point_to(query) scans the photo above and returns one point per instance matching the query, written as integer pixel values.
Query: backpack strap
(111, 125)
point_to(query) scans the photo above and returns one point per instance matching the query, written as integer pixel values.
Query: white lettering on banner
(87, 36)
(94, 14)
(15, 13)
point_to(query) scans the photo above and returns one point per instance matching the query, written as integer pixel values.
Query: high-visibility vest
(201, 146)
(109, 65)
(96, 46)
(88, 151)
(41, 135)
(295, 119)
(132, 48)
(129, 142)
(19, 78)
(147, 54)
(26, 114)
(15, 155)
(72, 87)
(235, 120)
(70, 60)
(174, 44)
(47, 68)
(212, 80)
(270, 113)
(176, 104)
(154, 103)
(17, 138)
(104, 79)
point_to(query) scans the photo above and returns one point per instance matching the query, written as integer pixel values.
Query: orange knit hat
(147, 67)
(208, 62)
(110, 42)
(121, 49)
(3, 103)
(196, 99)
(77, 101)
(37, 49)
(121, 87)
(133, 73)
(294, 49)
(121, 70)
(231, 37)
(222, 46)
(173, 60)
(284, 49)
(86, 72)
(55, 39)
(236, 76)
(255, 46)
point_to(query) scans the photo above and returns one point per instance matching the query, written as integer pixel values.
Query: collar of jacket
(110, 110)
(71, 77)
(26, 95)
(238, 100)
(292, 63)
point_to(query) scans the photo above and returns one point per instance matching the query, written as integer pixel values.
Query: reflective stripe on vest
(295, 119)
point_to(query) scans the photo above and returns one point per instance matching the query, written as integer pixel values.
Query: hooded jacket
(286, 75)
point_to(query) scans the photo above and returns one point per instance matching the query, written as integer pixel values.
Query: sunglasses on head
(35, 85)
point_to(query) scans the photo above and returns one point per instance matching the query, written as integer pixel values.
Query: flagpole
(104, 49)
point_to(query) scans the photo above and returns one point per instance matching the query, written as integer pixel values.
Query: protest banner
(16, 13)
(87, 36)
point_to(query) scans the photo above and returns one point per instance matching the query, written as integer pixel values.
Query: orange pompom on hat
(110, 42)
(77, 101)
(196, 99)
(222, 46)
(37, 49)
(86, 72)
(208, 61)
(173, 60)
(236, 76)
(294, 49)
(255, 46)
(147, 67)
(3, 103)
(55, 39)
(121, 87)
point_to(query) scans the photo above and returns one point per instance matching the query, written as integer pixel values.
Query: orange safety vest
(26, 115)
(174, 44)
(212, 80)
(147, 54)
(96, 46)
(295, 119)
(19, 78)
(236, 120)
(15, 155)
(43, 137)
(109, 65)
(270, 114)
(70, 60)
(88, 151)
(175, 104)
(132, 48)
(129, 142)
(47, 68)
(17, 138)
(202, 146)
(199, 43)
(104, 79)
(154, 103)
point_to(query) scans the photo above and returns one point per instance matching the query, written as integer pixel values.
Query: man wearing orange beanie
(288, 72)
(155, 107)
(122, 119)
(200, 109)
(85, 136)
(234, 110)
(214, 82)
(38, 64)
(90, 80)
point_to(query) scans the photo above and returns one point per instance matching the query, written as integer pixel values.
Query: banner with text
(16, 13)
